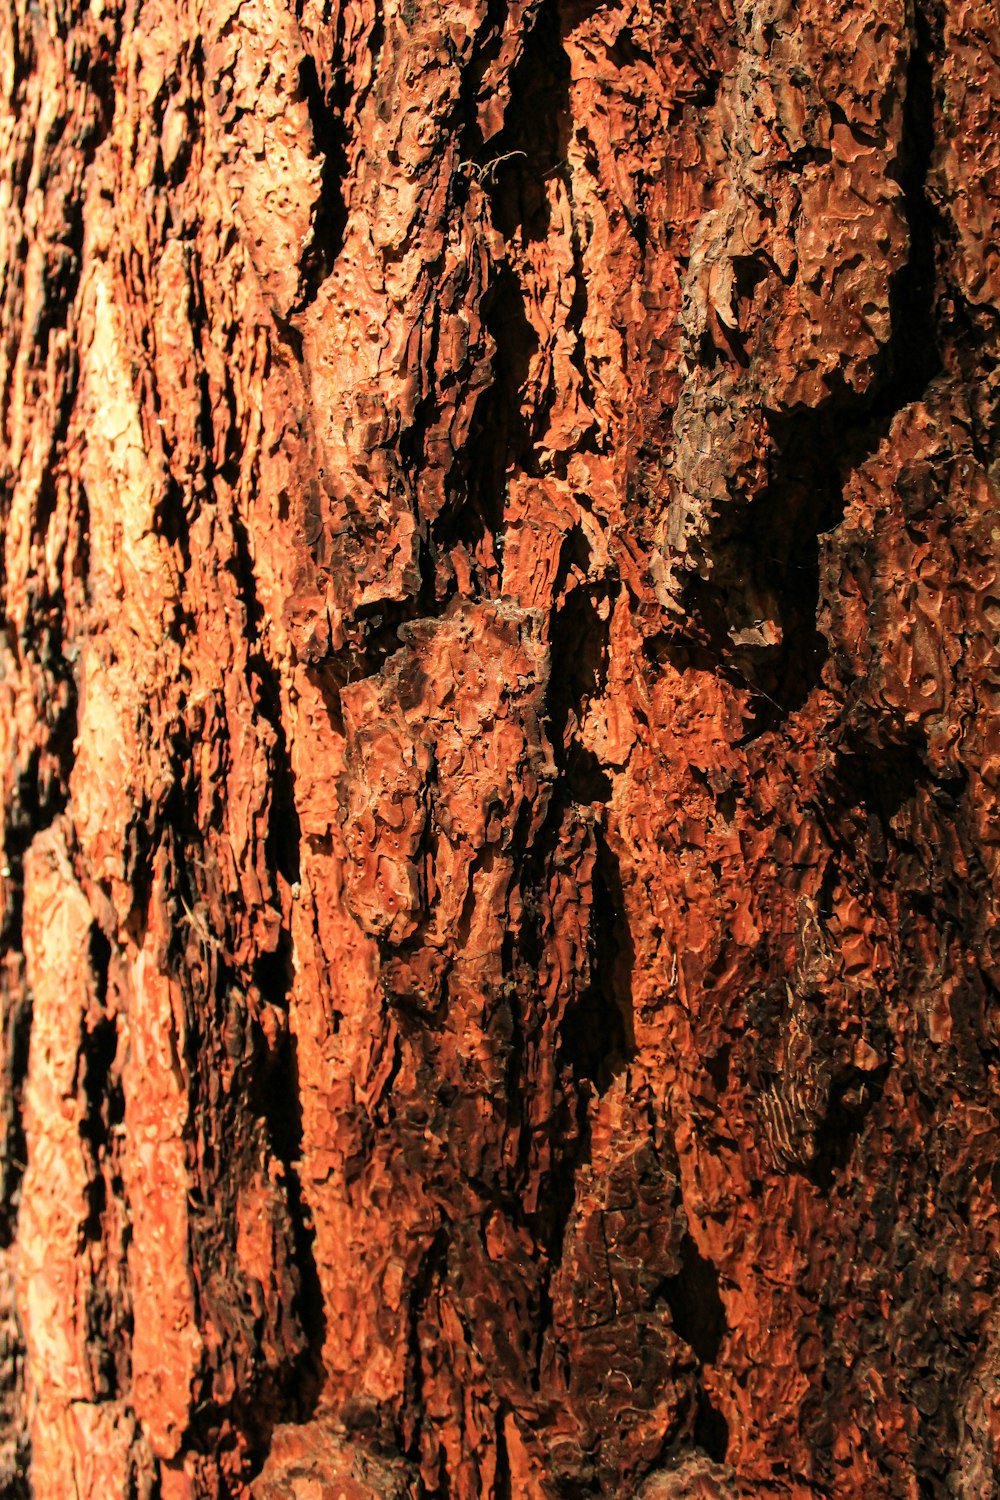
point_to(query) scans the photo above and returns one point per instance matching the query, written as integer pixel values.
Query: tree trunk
(498, 701)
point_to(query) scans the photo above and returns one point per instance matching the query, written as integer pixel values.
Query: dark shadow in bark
(500, 436)
(870, 782)
(280, 1102)
(102, 1094)
(329, 99)
(598, 1037)
(433, 1268)
(42, 788)
(326, 116)
(699, 1318)
(772, 549)
(264, 1100)
(283, 821)
(109, 1323)
(502, 1489)
(852, 1099)
(696, 1307)
(532, 144)
(511, 168)
(711, 1430)
(17, 1021)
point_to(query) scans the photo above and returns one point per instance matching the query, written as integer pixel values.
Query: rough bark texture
(498, 689)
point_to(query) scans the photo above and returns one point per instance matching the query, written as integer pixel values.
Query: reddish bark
(497, 707)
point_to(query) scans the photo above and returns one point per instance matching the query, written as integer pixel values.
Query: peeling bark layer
(497, 725)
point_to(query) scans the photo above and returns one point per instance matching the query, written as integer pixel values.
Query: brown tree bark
(498, 701)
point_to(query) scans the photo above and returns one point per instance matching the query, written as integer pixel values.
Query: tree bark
(498, 701)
